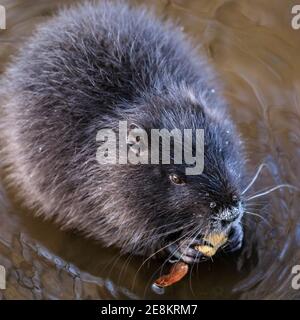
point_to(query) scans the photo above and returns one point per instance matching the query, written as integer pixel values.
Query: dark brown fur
(87, 69)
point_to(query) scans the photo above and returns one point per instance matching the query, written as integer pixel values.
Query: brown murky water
(256, 52)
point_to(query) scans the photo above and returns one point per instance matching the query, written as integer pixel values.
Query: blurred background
(255, 51)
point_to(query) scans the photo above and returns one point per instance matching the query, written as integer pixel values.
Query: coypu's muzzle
(206, 246)
(200, 249)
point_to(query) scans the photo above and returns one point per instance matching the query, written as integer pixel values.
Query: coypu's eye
(176, 179)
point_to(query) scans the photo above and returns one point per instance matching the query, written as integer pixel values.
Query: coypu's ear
(136, 134)
(137, 140)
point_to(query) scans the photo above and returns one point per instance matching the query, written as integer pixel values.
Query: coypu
(88, 68)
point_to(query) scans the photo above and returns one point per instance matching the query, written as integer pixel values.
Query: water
(256, 52)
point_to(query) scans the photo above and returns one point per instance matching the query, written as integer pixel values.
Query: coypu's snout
(225, 218)
(224, 232)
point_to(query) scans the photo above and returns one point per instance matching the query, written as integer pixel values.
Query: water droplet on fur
(212, 90)
(227, 131)
(40, 149)
(212, 204)
(207, 194)
(227, 142)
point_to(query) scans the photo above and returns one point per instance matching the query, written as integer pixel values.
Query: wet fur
(86, 69)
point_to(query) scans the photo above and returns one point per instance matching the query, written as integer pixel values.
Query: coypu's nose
(228, 216)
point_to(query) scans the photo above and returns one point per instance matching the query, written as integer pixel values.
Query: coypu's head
(168, 207)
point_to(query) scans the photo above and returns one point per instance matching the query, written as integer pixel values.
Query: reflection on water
(256, 52)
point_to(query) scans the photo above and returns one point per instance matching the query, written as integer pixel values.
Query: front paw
(235, 239)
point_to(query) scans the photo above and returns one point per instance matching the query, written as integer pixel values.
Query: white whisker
(254, 178)
(273, 189)
(258, 215)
